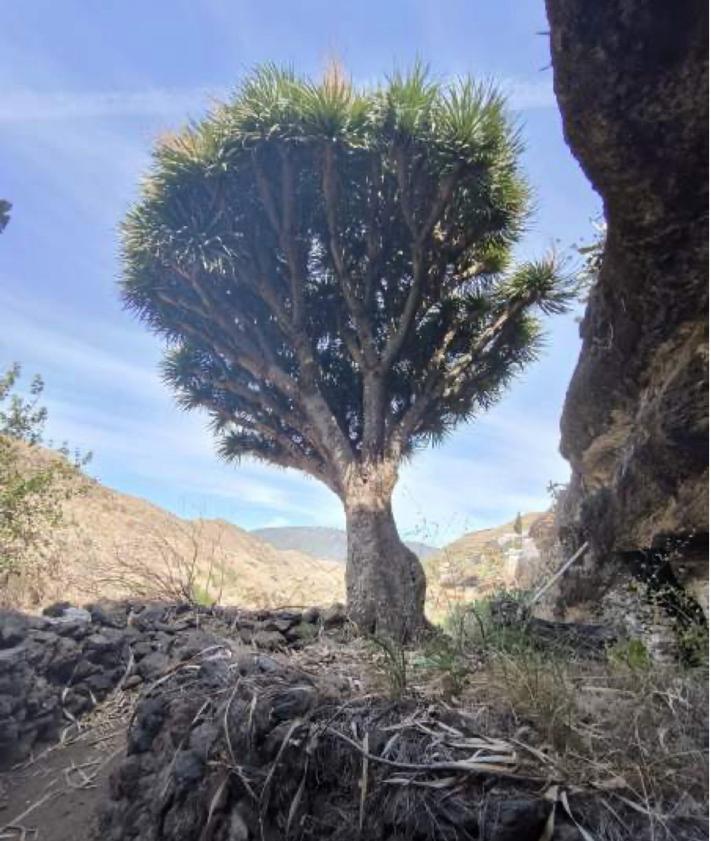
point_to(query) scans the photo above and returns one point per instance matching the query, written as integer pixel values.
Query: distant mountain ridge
(322, 543)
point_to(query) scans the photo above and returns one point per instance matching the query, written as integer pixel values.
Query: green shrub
(201, 596)
(32, 490)
(306, 631)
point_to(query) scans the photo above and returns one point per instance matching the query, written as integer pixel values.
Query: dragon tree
(332, 270)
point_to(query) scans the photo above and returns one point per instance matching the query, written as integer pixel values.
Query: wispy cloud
(21, 106)
(480, 477)
(103, 394)
(173, 453)
(33, 333)
(29, 105)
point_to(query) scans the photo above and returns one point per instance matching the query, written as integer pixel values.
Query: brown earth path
(54, 795)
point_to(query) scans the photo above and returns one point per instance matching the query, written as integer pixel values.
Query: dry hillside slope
(112, 544)
(482, 562)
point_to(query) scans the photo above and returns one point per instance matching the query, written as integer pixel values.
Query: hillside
(325, 543)
(112, 544)
(481, 562)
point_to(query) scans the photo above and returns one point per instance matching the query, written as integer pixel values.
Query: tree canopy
(332, 266)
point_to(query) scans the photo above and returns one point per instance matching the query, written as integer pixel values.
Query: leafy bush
(32, 490)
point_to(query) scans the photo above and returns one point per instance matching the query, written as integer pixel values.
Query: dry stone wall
(56, 667)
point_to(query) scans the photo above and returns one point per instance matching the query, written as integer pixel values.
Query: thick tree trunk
(385, 582)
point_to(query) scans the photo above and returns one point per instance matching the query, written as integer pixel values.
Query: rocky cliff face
(631, 78)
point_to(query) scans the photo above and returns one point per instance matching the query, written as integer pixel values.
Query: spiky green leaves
(331, 264)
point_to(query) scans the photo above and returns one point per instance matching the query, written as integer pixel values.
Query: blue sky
(85, 88)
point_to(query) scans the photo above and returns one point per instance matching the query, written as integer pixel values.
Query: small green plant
(201, 596)
(518, 528)
(493, 623)
(662, 596)
(591, 254)
(632, 653)
(392, 663)
(442, 655)
(694, 644)
(305, 631)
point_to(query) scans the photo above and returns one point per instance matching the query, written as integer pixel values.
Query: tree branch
(235, 347)
(356, 309)
(288, 241)
(438, 381)
(289, 453)
(397, 337)
(264, 402)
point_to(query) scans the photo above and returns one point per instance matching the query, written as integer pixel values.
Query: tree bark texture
(385, 582)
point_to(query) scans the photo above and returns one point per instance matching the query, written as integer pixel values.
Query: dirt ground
(53, 797)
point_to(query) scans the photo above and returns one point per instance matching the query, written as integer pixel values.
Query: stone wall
(56, 667)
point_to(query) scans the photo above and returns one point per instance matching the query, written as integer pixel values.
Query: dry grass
(625, 738)
(633, 732)
(114, 545)
(620, 750)
(639, 736)
(622, 732)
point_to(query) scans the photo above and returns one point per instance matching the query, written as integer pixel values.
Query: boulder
(153, 666)
(56, 609)
(110, 614)
(68, 660)
(631, 79)
(311, 615)
(13, 628)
